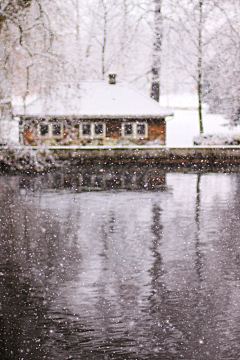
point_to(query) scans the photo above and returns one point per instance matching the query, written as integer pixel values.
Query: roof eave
(98, 116)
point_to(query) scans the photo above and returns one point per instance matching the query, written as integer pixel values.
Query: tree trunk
(157, 47)
(200, 105)
(104, 39)
(199, 81)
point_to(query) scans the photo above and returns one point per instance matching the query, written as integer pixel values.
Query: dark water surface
(138, 264)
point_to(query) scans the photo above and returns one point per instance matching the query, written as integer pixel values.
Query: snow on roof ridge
(139, 92)
(94, 98)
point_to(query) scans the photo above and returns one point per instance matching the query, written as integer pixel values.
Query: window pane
(86, 129)
(128, 129)
(56, 129)
(43, 129)
(141, 129)
(98, 129)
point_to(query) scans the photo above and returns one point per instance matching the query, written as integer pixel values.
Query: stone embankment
(42, 158)
(197, 155)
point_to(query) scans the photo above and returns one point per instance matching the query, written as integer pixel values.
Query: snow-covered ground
(185, 125)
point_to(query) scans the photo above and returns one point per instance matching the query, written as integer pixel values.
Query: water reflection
(143, 274)
(97, 178)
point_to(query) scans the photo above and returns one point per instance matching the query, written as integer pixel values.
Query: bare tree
(157, 50)
(200, 60)
(194, 35)
(222, 76)
(26, 34)
(115, 37)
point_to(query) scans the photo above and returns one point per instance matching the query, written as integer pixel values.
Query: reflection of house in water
(130, 178)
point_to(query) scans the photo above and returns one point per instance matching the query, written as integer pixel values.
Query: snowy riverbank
(184, 126)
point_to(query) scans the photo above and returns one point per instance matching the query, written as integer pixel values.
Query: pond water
(120, 264)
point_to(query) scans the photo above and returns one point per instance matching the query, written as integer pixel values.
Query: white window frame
(92, 130)
(56, 136)
(130, 136)
(134, 135)
(80, 130)
(47, 136)
(50, 135)
(99, 136)
(139, 136)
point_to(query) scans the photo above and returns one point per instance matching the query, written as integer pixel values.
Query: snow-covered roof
(92, 99)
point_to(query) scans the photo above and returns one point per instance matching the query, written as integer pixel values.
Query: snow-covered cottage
(93, 113)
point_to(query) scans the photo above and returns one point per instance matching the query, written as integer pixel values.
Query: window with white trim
(135, 130)
(86, 130)
(56, 130)
(51, 130)
(141, 129)
(128, 130)
(92, 130)
(44, 130)
(98, 129)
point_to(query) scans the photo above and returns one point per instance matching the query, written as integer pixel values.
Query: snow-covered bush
(28, 159)
(216, 139)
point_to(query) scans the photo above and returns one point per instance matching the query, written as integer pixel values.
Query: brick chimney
(112, 78)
